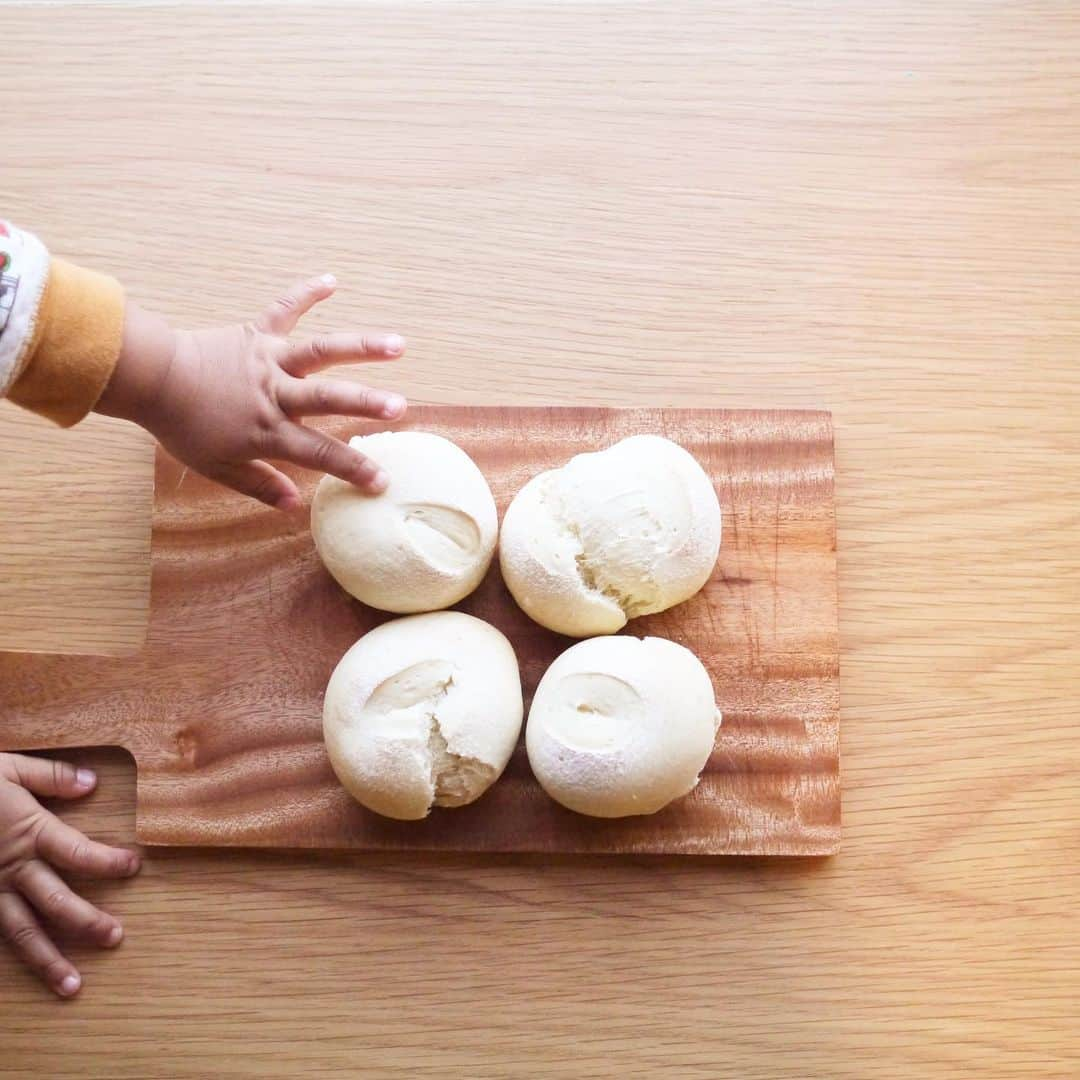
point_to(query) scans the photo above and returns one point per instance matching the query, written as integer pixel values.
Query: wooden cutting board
(222, 707)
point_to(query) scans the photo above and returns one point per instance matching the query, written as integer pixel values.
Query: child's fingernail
(379, 482)
(394, 406)
(69, 984)
(84, 778)
(116, 935)
(394, 344)
(328, 280)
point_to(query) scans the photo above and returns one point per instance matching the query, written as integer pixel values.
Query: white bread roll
(611, 535)
(621, 725)
(423, 711)
(424, 543)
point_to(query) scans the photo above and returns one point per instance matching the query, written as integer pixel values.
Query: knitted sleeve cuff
(74, 345)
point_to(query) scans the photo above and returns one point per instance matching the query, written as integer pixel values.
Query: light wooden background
(871, 208)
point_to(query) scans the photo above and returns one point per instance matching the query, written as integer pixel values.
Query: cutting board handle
(50, 702)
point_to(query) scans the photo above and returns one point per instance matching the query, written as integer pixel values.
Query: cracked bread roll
(626, 531)
(621, 725)
(425, 542)
(423, 711)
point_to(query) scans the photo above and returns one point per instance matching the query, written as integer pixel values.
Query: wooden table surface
(873, 209)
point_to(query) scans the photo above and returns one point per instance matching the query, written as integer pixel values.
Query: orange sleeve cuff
(75, 346)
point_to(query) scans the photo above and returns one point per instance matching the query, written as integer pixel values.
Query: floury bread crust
(424, 543)
(423, 711)
(626, 531)
(621, 725)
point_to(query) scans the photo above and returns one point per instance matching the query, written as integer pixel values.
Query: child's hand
(32, 843)
(224, 400)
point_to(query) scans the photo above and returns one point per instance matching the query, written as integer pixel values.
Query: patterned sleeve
(24, 270)
(61, 328)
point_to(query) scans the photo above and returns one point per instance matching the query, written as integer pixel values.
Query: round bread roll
(423, 711)
(622, 532)
(621, 725)
(425, 542)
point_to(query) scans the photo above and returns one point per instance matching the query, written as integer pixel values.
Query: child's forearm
(147, 348)
(226, 401)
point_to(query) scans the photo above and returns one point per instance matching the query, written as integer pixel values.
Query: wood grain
(222, 710)
(75, 554)
(873, 209)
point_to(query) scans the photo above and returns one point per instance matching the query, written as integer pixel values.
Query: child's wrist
(146, 355)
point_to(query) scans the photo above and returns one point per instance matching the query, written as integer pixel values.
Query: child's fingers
(286, 311)
(68, 849)
(51, 779)
(32, 945)
(320, 352)
(260, 480)
(53, 898)
(314, 450)
(335, 397)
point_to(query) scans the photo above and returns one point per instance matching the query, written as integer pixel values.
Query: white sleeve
(24, 269)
